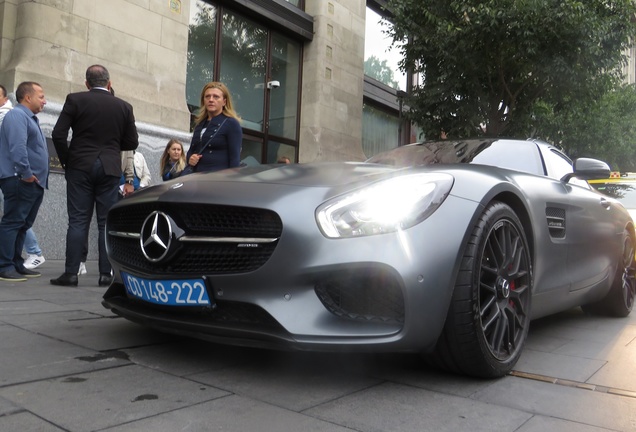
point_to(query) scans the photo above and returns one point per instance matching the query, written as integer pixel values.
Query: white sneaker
(33, 261)
(82, 269)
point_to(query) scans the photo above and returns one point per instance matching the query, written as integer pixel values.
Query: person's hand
(194, 159)
(128, 189)
(31, 179)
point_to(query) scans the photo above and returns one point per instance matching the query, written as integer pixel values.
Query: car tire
(619, 301)
(489, 315)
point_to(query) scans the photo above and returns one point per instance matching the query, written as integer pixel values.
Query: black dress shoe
(105, 279)
(67, 279)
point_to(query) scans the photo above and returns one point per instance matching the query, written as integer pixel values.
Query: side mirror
(588, 169)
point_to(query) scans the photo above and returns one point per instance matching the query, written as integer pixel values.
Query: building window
(379, 130)
(260, 66)
(298, 3)
(201, 48)
(385, 87)
(243, 64)
(381, 57)
(284, 87)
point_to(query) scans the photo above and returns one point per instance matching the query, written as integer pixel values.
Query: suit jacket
(102, 126)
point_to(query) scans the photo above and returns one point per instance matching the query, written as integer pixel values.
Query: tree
(603, 128)
(487, 65)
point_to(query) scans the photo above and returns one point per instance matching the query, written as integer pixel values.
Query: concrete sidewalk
(68, 364)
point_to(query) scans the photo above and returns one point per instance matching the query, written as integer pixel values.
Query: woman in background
(217, 137)
(172, 160)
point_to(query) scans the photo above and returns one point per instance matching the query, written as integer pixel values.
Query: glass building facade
(262, 66)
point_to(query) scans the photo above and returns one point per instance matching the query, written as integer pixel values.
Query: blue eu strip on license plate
(182, 292)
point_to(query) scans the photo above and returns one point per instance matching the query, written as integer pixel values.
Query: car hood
(306, 184)
(290, 186)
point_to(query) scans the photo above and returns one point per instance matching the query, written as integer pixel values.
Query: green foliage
(488, 65)
(604, 128)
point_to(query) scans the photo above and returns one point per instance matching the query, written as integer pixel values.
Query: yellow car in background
(621, 186)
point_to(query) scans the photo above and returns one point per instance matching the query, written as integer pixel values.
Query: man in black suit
(102, 126)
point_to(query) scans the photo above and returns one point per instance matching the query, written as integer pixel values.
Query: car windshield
(511, 154)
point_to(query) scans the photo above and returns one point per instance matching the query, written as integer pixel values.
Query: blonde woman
(172, 161)
(217, 137)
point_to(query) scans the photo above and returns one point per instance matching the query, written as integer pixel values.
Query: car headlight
(386, 206)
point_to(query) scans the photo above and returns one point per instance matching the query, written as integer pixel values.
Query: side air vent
(556, 222)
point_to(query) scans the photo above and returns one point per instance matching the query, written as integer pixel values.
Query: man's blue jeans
(21, 204)
(31, 245)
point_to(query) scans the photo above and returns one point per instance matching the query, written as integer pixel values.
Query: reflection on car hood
(324, 174)
(435, 152)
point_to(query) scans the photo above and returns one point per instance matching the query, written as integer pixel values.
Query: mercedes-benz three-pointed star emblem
(156, 236)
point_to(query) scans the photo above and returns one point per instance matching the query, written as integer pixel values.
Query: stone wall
(143, 43)
(331, 109)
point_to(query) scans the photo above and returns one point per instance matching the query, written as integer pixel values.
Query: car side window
(559, 165)
(514, 155)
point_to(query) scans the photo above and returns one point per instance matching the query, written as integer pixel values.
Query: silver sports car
(446, 248)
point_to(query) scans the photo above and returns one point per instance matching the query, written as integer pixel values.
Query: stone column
(331, 109)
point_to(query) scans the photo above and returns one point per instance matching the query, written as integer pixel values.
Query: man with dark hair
(103, 125)
(24, 173)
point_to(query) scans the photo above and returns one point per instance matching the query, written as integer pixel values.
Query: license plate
(182, 292)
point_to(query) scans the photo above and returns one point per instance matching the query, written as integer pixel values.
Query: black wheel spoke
(490, 316)
(500, 334)
(517, 298)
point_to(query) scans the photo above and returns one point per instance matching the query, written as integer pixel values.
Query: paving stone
(96, 400)
(411, 371)
(587, 407)
(81, 328)
(543, 424)
(231, 414)
(190, 356)
(27, 356)
(24, 421)
(559, 366)
(394, 407)
(295, 381)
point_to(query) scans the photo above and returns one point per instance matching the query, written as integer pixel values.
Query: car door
(590, 230)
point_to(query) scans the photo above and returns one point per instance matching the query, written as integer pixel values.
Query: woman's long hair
(165, 158)
(228, 110)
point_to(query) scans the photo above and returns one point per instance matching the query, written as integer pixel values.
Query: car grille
(363, 295)
(196, 220)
